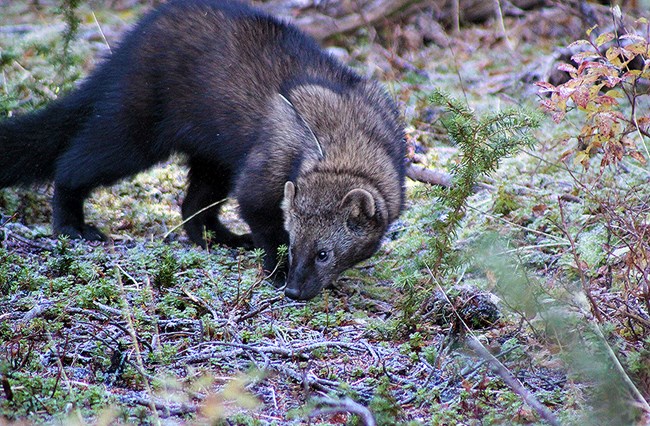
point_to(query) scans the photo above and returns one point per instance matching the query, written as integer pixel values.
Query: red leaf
(581, 97)
(606, 100)
(545, 87)
(638, 156)
(567, 68)
(579, 43)
(589, 64)
(565, 91)
(644, 123)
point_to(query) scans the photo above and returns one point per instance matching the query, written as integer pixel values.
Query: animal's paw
(91, 233)
(232, 240)
(85, 232)
(244, 241)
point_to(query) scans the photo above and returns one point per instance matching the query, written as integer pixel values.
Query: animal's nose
(292, 293)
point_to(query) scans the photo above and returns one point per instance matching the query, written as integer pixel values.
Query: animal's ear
(360, 208)
(289, 195)
(287, 204)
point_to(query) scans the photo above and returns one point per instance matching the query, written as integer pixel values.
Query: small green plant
(167, 268)
(383, 404)
(68, 10)
(483, 143)
(10, 267)
(63, 257)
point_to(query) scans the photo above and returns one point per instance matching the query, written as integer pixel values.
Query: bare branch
(345, 405)
(433, 177)
(511, 381)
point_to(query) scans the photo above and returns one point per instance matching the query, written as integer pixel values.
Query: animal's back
(200, 74)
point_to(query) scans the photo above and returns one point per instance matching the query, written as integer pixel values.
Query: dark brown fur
(340, 204)
(253, 103)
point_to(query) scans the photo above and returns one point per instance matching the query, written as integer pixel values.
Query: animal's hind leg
(208, 185)
(68, 216)
(97, 156)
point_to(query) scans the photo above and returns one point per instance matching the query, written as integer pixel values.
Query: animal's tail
(31, 143)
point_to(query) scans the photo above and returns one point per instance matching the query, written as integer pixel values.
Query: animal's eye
(322, 256)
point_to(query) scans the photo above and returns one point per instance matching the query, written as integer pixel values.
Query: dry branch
(511, 381)
(327, 19)
(165, 408)
(439, 178)
(433, 177)
(323, 25)
(345, 405)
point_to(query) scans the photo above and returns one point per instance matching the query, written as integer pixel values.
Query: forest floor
(149, 329)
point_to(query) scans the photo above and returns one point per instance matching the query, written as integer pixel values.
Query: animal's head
(347, 186)
(330, 230)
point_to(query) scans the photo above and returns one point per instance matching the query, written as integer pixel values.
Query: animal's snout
(292, 293)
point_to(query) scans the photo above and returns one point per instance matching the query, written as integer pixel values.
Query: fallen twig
(511, 381)
(302, 352)
(433, 177)
(323, 27)
(29, 241)
(37, 310)
(166, 408)
(437, 177)
(501, 370)
(308, 380)
(196, 299)
(126, 313)
(345, 405)
(262, 306)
